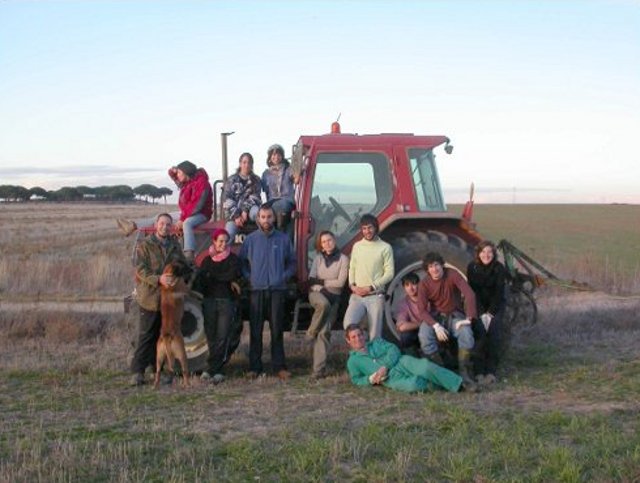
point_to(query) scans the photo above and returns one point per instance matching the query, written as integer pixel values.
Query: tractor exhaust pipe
(225, 160)
(218, 184)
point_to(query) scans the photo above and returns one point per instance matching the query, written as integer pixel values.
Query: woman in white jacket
(327, 278)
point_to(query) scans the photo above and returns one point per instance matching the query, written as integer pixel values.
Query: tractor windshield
(425, 180)
(345, 186)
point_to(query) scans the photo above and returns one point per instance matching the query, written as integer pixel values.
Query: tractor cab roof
(351, 141)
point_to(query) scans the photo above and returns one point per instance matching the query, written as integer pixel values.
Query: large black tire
(195, 339)
(408, 252)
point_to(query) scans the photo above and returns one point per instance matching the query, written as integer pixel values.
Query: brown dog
(170, 343)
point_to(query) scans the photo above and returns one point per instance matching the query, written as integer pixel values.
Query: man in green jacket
(152, 255)
(379, 362)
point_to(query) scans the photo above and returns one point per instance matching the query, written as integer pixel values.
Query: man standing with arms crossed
(370, 270)
(268, 261)
(151, 257)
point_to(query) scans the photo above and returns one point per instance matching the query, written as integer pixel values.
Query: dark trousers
(148, 333)
(409, 339)
(266, 304)
(218, 316)
(488, 350)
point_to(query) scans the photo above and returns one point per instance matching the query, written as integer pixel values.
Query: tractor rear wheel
(408, 252)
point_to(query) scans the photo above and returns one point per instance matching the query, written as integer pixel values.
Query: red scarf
(218, 257)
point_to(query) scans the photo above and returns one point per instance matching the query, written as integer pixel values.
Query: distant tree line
(146, 192)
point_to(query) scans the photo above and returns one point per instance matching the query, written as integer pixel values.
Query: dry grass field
(565, 408)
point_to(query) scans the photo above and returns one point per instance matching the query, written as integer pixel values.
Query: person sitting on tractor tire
(195, 201)
(379, 362)
(278, 183)
(241, 195)
(440, 296)
(486, 276)
(407, 314)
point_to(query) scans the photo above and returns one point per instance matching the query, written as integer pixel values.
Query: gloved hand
(462, 323)
(441, 333)
(486, 319)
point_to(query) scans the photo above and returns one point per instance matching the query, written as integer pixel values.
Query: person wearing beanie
(278, 183)
(218, 282)
(195, 201)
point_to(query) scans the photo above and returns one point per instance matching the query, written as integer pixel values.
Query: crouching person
(379, 362)
(440, 296)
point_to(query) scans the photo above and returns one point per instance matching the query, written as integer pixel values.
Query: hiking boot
(283, 375)
(138, 379)
(489, 379)
(127, 227)
(205, 377)
(464, 368)
(316, 376)
(217, 378)
(436, 358)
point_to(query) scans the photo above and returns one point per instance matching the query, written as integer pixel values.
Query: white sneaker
(205, 377)
(218, 378)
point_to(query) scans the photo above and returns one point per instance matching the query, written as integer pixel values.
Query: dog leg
(181, 355)
(160, 357)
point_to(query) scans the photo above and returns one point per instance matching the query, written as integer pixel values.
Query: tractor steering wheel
(339, 210)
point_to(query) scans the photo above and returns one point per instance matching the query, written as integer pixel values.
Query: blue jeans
(372, 306)
(231, 227)
(187, 228)
(281, 205)
(270, 305)
(429, 341)
(218, 316)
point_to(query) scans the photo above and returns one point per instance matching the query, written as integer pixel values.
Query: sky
(541, 99)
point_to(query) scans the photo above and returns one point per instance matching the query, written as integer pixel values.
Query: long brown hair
(481, 246)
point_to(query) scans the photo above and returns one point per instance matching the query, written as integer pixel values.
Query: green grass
(562, 411)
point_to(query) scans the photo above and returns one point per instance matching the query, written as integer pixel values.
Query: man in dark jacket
(152, 255)
(268, 261)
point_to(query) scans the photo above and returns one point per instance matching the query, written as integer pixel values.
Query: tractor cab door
(342, 186)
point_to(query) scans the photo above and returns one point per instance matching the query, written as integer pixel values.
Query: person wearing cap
(278, 183)
(241, 195)
(370, 270)
(218, 282)
(195, 201)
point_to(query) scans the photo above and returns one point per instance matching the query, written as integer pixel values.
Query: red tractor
(343, 176)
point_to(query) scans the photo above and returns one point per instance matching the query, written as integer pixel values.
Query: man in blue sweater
(268, 261)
